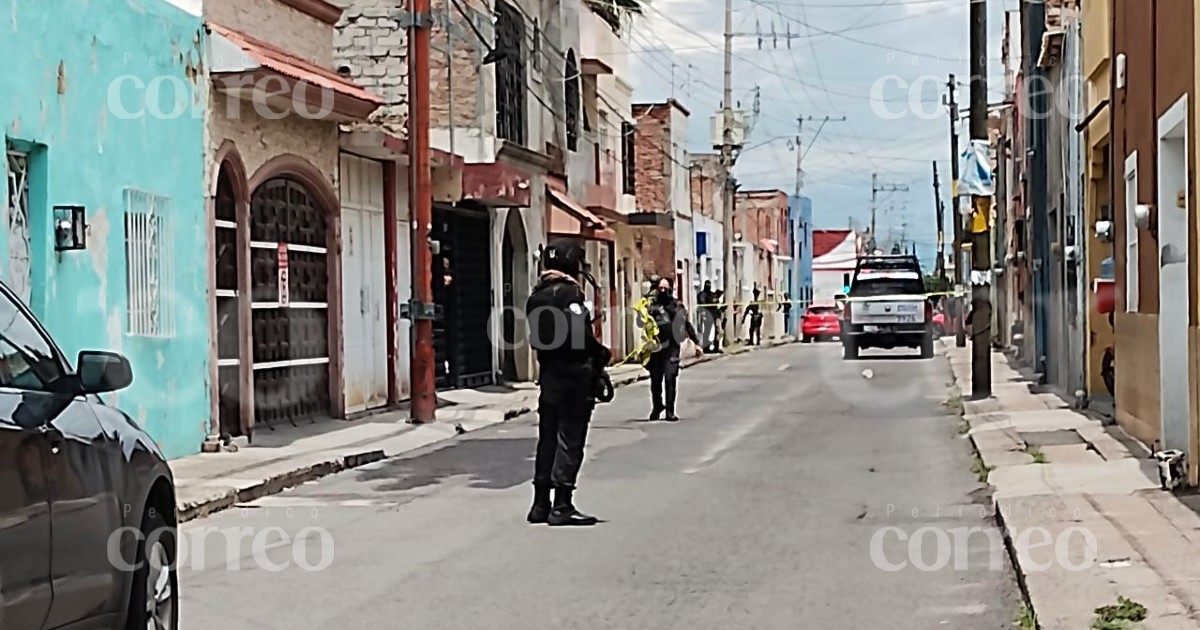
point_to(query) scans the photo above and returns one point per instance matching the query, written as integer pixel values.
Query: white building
(835, 252)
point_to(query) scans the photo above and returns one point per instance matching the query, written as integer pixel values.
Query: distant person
(708, 316)
(786, 307)
(755, 316)
(673, 325)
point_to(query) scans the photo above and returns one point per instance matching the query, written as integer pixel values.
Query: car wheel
(927, 348)
(850, 351)
(154, 598)
(806, 339)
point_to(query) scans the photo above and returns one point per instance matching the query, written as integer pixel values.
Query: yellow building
(1097, 58)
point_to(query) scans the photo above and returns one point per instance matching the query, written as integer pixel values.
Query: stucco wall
(276, 23)
(85, 151)
(259, 139)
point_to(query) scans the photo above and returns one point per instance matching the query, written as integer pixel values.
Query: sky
(883, 64)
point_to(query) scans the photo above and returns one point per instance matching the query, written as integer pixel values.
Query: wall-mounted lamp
(1104, 231)
(70, 228)
(1141, 215)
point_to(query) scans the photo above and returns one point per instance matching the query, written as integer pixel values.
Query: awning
(241, 65)
(569, 218)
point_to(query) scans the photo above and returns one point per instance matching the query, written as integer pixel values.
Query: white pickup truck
(887, 307)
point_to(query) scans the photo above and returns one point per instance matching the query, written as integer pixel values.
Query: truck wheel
(850, 350)
(927, 347)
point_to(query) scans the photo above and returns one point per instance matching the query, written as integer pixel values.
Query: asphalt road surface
(786, 498)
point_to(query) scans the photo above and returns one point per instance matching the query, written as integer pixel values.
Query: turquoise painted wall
(108, 95)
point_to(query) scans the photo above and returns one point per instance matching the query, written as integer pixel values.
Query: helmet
(565, 255)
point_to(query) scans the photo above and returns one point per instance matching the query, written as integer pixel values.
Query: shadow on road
(491, 464)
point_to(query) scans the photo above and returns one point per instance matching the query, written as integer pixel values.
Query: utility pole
(420, 204)
(727, 169)
(940, 212)
(981, 251)
(799, 154)
(960, 334)
(876, 188)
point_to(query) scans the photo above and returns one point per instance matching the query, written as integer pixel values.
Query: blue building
(102, 128)
(800, 269)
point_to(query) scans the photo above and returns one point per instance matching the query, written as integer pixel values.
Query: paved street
(756, 511)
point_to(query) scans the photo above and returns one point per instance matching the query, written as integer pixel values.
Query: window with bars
(149, 265)
(571, 100)
(510, 74)
(628, 158)
(17, 205)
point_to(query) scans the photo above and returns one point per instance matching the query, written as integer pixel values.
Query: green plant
(1026, 619)
(954, 405)
(980, 469)
(1036, 453)
(1120, 616)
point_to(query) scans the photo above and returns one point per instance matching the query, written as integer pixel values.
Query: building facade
(104, 123)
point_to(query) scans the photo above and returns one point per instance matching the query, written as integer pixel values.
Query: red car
(821, 322)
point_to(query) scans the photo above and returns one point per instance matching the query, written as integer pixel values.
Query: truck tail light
(928, 311)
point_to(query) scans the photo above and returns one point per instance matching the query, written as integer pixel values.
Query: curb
(218, 500)
(998, 515)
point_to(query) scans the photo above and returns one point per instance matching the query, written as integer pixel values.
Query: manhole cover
(1052, 438)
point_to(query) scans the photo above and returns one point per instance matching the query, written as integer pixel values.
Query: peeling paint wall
(75, 94)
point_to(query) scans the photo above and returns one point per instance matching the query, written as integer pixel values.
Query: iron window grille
(628, 158)
(571, 100)
(19, 256)
(510, 75)
(149, 265)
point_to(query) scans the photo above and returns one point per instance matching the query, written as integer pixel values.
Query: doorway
(515, 271)
(364, 286)
(1173, 318)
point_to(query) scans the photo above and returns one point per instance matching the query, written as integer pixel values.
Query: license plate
(907, 319)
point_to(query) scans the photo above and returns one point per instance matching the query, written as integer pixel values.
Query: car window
(27, 360)
(886, 286)
(822, 310)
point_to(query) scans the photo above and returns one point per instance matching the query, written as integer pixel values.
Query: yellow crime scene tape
(649, 342)
(777, 302)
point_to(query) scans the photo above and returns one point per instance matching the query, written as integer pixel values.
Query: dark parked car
(86, 497)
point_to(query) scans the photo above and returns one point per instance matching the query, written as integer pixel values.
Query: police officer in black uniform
(572, 362)
(673, 326)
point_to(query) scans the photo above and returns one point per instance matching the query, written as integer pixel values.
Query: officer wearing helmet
(572, 361)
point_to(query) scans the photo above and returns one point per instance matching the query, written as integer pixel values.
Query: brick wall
(764, 215)
(652, 150)
(373, 50)
(707, 181)
(656, 252)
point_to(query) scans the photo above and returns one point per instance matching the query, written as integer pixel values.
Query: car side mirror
(102, 372)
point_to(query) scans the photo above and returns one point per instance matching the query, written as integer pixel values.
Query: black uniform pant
(664, 369)
(711, 335)
(756, 330)
(565, 407)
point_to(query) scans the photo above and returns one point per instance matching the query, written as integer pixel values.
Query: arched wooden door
(290, 303)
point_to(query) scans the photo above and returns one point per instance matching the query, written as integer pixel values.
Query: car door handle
(54, 437)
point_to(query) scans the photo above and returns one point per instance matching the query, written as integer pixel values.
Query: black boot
(540, 512)
(671, 417)
(656, 413)
(565, 514)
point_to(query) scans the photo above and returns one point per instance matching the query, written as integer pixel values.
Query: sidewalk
(1058, 471)
(289, 456)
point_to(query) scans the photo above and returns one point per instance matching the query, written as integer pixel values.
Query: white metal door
(364, 287)
(1175, 395)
